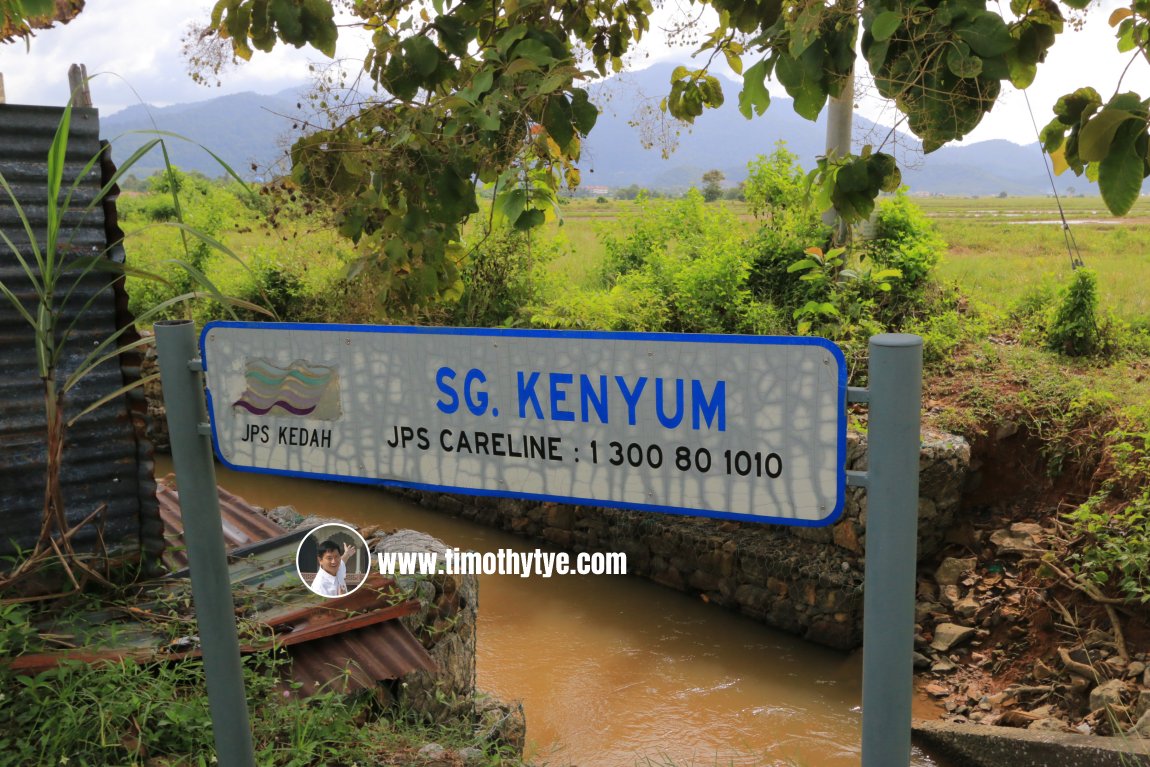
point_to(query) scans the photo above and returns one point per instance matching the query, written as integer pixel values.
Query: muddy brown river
(615, 671)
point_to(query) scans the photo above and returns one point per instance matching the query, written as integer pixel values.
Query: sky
(132, 51)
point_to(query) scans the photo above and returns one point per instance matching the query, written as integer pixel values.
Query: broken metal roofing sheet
(107, 458)
(352, 642)
(243, 525)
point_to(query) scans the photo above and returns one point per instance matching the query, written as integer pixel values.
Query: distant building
(595, 191)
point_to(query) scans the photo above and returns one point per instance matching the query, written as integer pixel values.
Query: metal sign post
(738, 427)
(180, 368)
(895, 396)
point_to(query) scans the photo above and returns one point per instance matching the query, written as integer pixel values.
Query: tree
(19, 17)
(488, 91)
(713, 185)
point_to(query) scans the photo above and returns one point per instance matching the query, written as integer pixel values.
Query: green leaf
(805, 28)
(480, 84)
(286, 16)
(533, 51)
(509, 38)
(884, 168)
(530, 219)
(1121, 173)
(986, 34)
(557, 120)
(733, 61)
(754, 95)
(518, 66)
(962, 63)
(1096, 135)
(885, 25)
(422, 54)
(318, 18)
(798, 266)
(37, 7)
(453, 34)
(583, 111)
(803, 81)
(510, 204)
(1073, 106)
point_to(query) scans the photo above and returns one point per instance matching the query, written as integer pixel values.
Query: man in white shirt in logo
(331, 579)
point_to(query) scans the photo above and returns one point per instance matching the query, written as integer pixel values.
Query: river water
(616, 671)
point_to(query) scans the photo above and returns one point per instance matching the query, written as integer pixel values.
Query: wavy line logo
(301, 389)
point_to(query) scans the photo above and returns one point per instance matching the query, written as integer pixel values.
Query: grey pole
(840, 121)
(182, 379)
(895, 388)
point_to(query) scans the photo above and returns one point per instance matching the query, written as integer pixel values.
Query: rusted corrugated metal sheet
(345, 644)
(106, 459)
(358, 660)
(350, 643)
(242, 524)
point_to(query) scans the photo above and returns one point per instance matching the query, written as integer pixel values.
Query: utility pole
(840, 123)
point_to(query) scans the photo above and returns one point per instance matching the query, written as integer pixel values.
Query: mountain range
(632, 142)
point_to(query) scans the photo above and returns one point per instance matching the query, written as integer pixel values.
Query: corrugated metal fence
(106, 459)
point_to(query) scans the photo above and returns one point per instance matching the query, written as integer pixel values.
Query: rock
(433, 752)
(1136, 668)
(1042, 672)
(922, 610)
(1048, 724)
(1005, 431)
(949, 595)
(1142, 705)
(502, 723)
(920, 661)
(285, 516)
(472, 756)
(936, 690)
(947, 635)
(1020, 537)
(1142, 727)
(1114, 667)
(943, 666)
(1107, 695)
(1019, 719)
(967, 608)
(951, 570)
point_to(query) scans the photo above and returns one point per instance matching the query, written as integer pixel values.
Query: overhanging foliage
(472, 91)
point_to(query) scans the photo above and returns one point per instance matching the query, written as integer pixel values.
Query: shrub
(1073, 329)
(500, 277)
(906, 240)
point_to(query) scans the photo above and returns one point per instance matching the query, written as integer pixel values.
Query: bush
(775, 191)
(500, 277)
(906, 240)
(1073, 329)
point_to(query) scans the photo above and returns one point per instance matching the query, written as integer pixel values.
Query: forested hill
(249, 130)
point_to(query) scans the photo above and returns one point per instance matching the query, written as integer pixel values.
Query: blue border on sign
(840, 479)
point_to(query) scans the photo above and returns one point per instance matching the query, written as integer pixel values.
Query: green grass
(994, 257)
(998, 261)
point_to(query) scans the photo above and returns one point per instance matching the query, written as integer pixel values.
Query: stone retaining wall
(807, 581)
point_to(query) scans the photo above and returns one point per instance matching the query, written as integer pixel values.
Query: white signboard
(740, 427)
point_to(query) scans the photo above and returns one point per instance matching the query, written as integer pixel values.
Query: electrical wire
(1067, 235)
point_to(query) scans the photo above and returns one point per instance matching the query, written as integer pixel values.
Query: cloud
(131, 49)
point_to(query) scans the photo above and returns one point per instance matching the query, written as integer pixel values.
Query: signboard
(739, 427)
